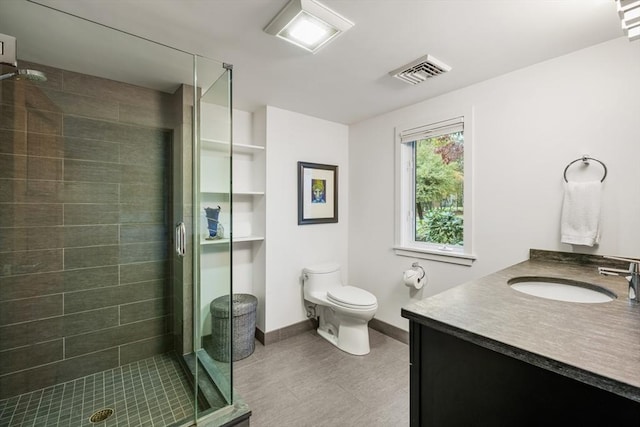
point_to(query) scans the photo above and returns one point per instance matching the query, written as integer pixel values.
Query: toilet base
(352, 335)
(333, 339)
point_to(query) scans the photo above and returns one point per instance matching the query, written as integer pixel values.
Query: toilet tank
(320, 278)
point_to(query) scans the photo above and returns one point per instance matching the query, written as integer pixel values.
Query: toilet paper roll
(412, 279)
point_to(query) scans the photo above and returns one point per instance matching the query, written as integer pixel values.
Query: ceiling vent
(420, 70)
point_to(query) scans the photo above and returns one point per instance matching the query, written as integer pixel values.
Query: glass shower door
(212, 245)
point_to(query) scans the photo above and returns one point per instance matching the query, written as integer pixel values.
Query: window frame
(405, 243)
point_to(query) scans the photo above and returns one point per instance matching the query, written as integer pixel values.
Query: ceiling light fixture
(307, 24)
(629, 12)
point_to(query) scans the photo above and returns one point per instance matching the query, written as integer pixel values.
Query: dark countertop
(598, 344)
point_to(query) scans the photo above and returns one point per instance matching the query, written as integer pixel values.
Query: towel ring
(585, 159)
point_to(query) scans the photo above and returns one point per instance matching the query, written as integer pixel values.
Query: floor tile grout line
(84, 394)
(38, 407)
(157, 369)
(50, 401)
(64, 386)
(125, 409)
(14, 410)
(124, 392)
(142, 387)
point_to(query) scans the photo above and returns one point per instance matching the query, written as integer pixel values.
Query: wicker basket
(243, 325)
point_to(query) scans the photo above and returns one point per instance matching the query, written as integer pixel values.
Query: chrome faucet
(632, 275)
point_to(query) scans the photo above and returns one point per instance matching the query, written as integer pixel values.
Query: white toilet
(343, 311)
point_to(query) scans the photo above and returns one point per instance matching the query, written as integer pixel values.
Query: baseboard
(284, 333)
(308, 325)
(259, 335)
(389, 330)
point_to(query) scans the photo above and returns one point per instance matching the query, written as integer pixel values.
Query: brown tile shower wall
(84, 227)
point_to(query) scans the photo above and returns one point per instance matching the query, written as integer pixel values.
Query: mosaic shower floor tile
(151, 392)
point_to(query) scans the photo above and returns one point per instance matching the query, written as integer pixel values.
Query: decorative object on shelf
(317, 193)
(216, 231)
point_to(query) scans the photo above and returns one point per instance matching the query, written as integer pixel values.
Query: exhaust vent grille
(420, 70)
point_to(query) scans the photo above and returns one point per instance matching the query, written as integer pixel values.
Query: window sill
(435, 255)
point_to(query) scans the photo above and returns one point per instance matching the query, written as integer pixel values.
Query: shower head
(33, 75)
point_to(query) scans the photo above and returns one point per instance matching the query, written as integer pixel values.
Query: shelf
(245, 148)
(216, 193)
(248, 193)
(236, 240)
(235, 193)
(214, 242)
(219, 145)
(214, 144)
(248, 239)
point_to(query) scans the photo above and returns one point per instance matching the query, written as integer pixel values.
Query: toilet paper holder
(415, 276)
(417, 266)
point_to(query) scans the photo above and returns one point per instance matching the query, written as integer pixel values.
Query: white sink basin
(562, 289)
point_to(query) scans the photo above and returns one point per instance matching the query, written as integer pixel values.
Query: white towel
(580, 223)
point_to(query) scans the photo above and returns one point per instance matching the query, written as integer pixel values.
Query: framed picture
(317, 193)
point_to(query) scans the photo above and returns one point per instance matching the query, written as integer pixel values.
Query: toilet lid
(352, 296)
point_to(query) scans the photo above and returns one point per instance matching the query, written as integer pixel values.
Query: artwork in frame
(317, 193)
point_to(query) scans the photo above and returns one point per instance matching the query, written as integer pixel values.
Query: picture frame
(317, 193)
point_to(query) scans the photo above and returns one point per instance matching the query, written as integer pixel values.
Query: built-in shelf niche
(248, 168)
(247, 221)
(248, 200)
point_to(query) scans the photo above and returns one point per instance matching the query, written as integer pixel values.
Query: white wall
(528, 125)
(248, 211)
(293, 137)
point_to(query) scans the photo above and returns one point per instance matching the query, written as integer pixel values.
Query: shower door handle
(181, 239)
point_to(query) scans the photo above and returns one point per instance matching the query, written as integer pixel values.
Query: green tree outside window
(439, 175)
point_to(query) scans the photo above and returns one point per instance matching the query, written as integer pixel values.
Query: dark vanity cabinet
(458, 379)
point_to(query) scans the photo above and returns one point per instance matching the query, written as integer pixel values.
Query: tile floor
(152, 392)
(304, 381)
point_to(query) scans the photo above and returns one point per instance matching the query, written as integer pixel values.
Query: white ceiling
(347, 81)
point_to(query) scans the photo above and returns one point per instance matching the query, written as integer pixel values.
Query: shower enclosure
(101, 295)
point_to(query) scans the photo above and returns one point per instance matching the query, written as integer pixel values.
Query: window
(433, 217)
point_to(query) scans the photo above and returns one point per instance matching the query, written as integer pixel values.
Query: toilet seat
(352, 297)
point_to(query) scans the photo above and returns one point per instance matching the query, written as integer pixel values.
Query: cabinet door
(459, 383)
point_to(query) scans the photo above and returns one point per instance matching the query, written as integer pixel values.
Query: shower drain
(101, 415)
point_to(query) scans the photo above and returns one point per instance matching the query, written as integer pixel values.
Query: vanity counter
(595, 344)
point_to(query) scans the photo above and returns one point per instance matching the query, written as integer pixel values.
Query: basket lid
(242, 304)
